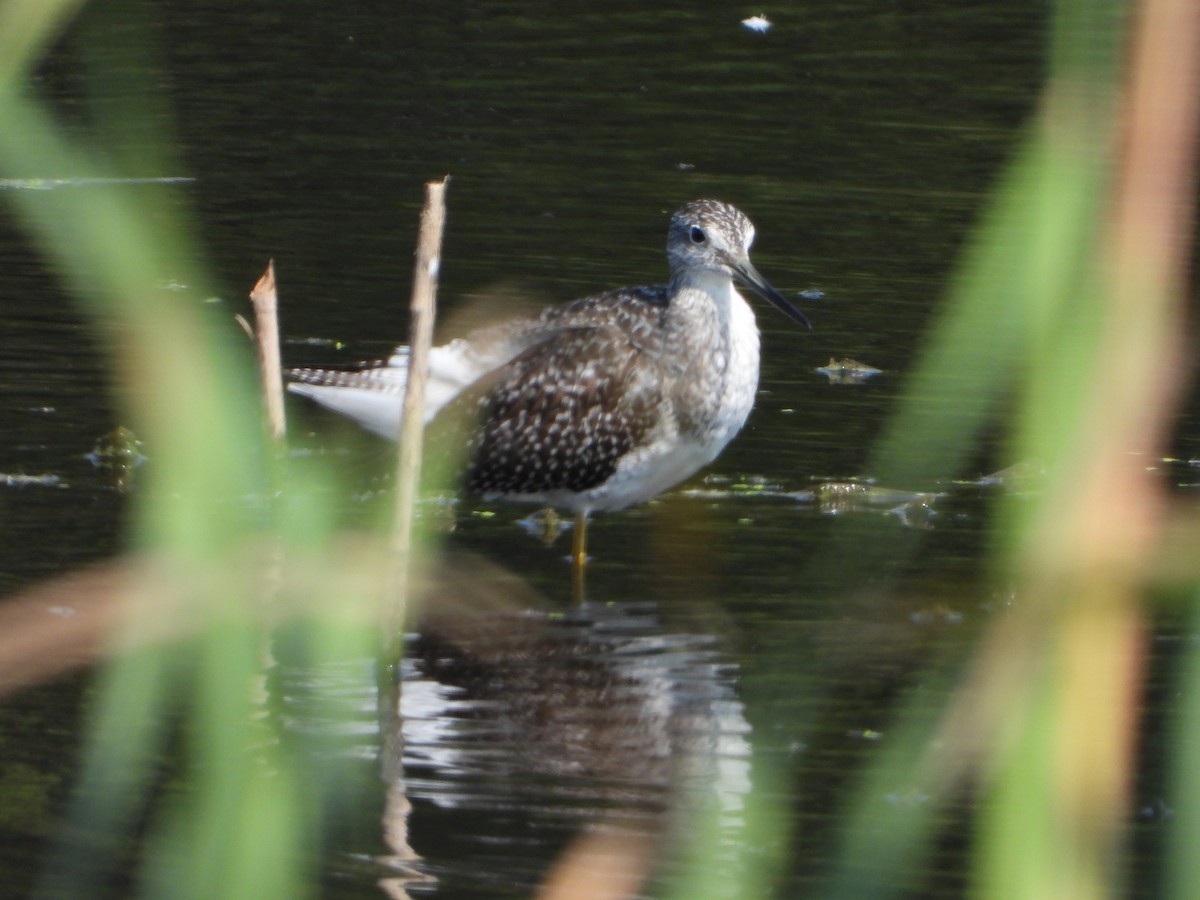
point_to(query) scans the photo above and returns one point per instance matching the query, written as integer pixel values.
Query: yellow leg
(578, 557)
(579, 541)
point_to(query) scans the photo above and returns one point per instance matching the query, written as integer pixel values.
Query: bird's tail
(372, 396)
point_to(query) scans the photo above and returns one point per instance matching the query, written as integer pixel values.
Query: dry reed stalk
(408, 466)
(266, 334)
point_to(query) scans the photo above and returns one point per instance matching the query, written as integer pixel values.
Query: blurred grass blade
(26, 28)
(127, 728)
(1054, 822)
(240, 824)
(1183, 862)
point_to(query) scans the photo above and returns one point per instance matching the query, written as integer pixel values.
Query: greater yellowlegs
(602, 402)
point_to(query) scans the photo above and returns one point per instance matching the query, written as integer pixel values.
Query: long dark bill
(748, 275)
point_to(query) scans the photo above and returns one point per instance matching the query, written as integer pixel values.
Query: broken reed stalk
(266, 335)
(412, 419)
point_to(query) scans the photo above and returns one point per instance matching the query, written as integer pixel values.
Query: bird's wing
(559, 415)
(372, 394)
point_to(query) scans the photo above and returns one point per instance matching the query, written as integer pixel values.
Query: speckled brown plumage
(563, 413)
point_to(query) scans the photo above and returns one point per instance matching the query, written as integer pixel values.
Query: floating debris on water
(49, 184)
(544, 524)
(835, 498)
(1021, 477)
(865, 734)
(938, 614)
(120, 445)
(757, 23)
(724, 487)
(323, 343)
(20, 480)
(811, 294)
(914, 509)
(916, 513)
(119, 453)
(848, 371)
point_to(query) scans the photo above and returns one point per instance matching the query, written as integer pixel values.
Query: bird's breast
(717, 376)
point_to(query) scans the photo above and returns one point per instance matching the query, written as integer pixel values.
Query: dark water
(861, 138)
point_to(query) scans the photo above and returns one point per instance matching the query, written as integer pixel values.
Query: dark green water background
(861, 138)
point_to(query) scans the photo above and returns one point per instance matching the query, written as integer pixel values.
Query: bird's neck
(704, 294)
(713, 342)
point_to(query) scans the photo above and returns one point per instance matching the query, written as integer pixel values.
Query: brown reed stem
(412, 420)
(266, 334)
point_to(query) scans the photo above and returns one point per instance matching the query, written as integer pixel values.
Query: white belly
(642, 474)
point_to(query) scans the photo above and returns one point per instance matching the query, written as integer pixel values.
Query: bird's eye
(697, 234)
